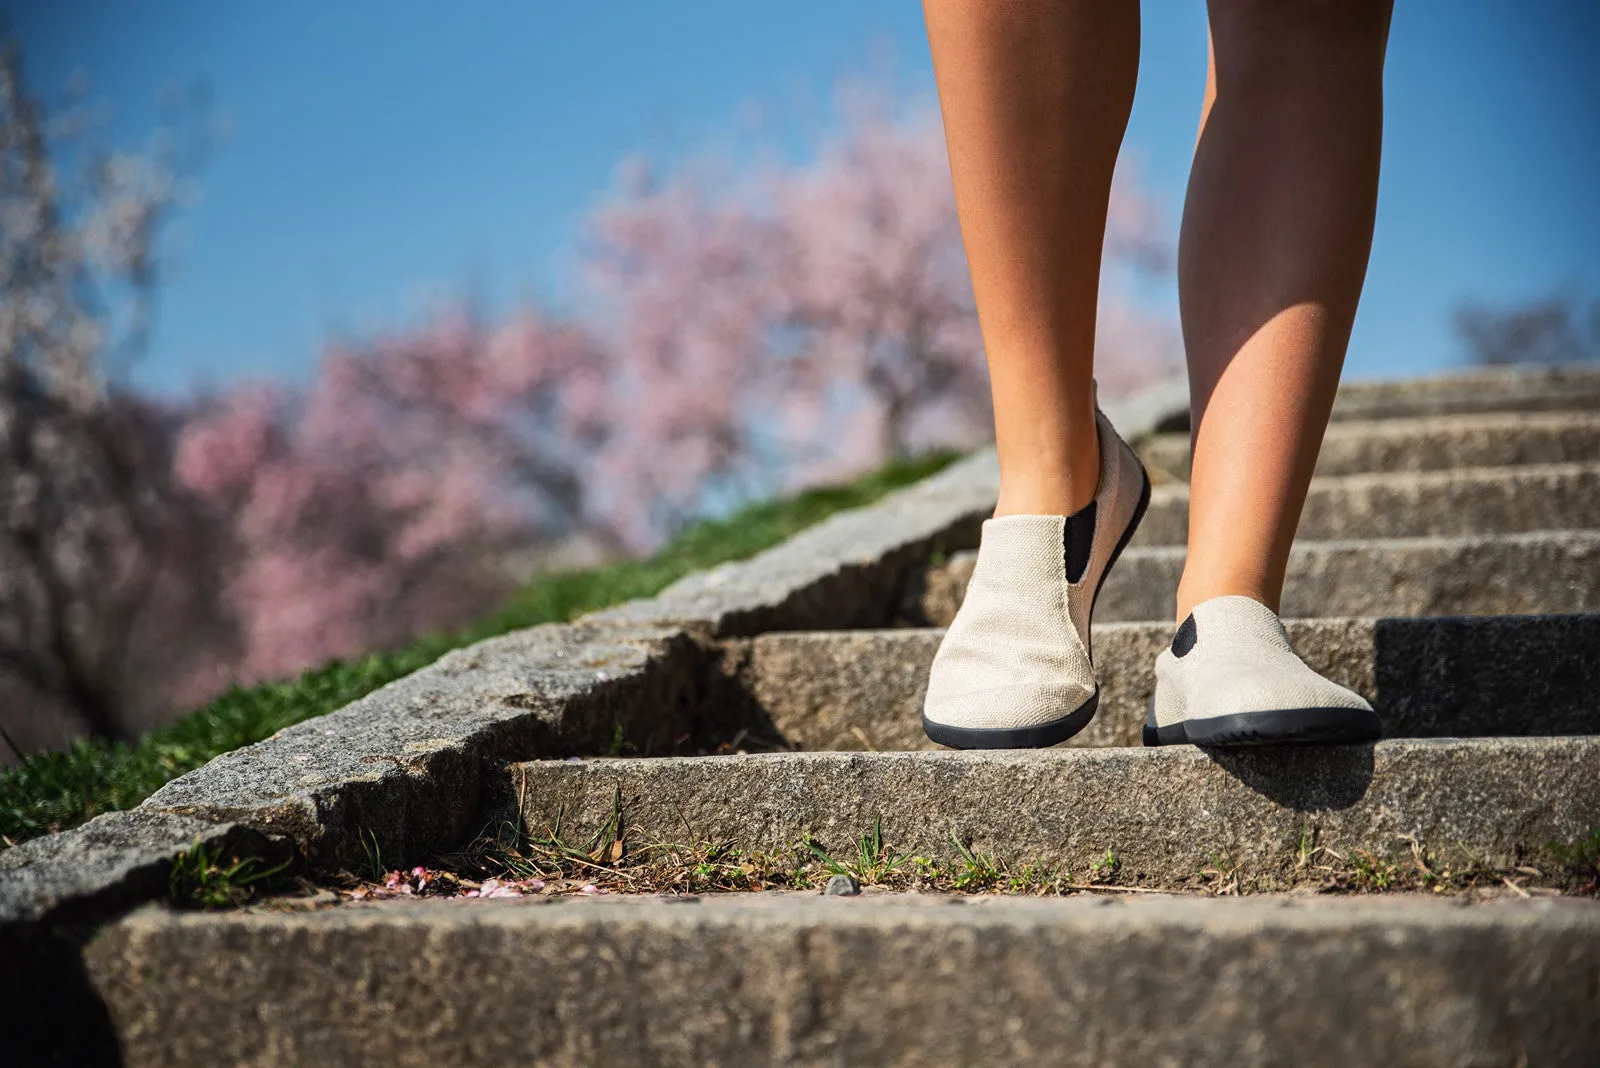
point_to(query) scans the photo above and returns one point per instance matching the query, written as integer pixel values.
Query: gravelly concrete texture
(114, 860)
(1508, 574)
(1505, 439)
(814, 980)
(403, 767)
(1452, 503)
(1546, 389)
(1451, 677)
(1165, 813)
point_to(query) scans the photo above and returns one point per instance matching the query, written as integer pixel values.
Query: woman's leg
(1035, 97)
(1276, 232)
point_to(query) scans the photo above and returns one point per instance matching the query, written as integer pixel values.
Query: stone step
(1543, 389)
(792, 979)
(1496, 500)
(1507, 574)
(1164, 814)
(1428, 678)
(1429, 444)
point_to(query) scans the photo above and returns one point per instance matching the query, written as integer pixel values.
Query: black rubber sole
(1056, 731)
(1041, 736)
(1278, 726)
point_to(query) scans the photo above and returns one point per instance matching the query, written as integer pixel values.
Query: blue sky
(384, 155)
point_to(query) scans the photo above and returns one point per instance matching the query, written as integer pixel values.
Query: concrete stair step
(1498, 500)
(1567, 389)
(1164, 814)
(1429, 444)
(1449, 677)
(892, 979)
(1556, 571)
(1506, 574)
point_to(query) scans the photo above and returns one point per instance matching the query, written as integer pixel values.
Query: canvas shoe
(1231, 679)
(1015, 668)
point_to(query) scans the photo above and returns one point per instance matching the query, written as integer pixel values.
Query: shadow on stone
(1458, 677)
(1303, 778)
(50, 1011)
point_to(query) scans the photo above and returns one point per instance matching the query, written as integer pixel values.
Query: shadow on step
(1487, 676)
(1303, 778)
(51, 1010)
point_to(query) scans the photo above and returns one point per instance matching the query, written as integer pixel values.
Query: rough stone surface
(113, 860)
(1451, 503)
(1513, 574)
(1451, 677)
(1509, 389)
(404, 765)
(1165, 813)
(811, 980)
(1394, 445)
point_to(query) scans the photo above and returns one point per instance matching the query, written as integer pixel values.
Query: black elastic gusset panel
(1184, 640)
(1078, 541)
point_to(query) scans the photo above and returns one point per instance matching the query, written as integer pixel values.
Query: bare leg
(1035, 98)
(1276, 232)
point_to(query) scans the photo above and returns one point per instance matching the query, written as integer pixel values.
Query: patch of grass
(54, 791)
(200, 878)
(975, 870)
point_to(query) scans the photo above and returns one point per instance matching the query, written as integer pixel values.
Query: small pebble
(842, 886)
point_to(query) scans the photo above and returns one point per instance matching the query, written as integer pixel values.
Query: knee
(1270, 45)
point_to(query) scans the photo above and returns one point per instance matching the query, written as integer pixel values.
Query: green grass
(53, 791)
(204, 879)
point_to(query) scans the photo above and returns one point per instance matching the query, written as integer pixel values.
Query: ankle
(1058, 482)
(1198, 593)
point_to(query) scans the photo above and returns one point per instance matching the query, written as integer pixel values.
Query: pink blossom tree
(383, 500)
(780, 324)
(94, 539)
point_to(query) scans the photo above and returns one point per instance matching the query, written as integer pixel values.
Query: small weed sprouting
(1221, 875)
(1105, 869)
(977, 872)
(875, 863)
(1580, 861)
(812, 846)
(620, 746)
(199, 878)
(1371, 872)
(374, 853)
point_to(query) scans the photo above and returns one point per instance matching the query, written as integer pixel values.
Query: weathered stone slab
(904, 979)
(1164, 813)
(1507, 574)
(1423, 504)
(1447, 677)
(113, 860)
(1356, 447)
(403, 767)
(1508, 389)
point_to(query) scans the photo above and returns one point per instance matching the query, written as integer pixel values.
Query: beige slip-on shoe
(1231, 679)
(1015, 669)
